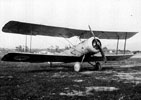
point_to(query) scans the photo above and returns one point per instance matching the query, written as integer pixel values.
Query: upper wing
(29, 57)
(36, 29)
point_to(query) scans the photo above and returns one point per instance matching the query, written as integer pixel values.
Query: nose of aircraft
(97, 45)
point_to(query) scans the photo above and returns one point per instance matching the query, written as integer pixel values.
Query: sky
(108, 15)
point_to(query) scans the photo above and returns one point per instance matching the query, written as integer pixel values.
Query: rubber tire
(98, 66)
(77, 67)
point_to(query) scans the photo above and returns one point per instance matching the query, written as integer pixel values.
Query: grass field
(26, 81)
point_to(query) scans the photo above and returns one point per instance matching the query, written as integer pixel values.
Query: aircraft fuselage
(85, 47)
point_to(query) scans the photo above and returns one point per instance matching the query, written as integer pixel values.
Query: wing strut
(30, 43)
(25, 44)
(31, 40)
(125, 42)
(117, 46)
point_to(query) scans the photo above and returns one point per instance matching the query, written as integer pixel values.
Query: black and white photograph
(70, 50)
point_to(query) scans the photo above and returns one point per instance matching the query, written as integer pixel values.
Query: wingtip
(4, 27)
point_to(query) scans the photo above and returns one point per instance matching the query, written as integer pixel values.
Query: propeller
(98, 46)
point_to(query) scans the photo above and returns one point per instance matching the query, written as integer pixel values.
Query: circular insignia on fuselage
(21, 57)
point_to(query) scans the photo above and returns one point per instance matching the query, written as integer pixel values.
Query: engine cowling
(91, 45)
(87, 46)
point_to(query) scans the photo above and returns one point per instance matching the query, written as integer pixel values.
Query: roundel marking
(21, 57)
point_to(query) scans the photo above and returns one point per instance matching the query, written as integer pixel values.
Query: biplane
(90, 50)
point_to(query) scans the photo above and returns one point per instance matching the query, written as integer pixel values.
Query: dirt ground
(25, 81)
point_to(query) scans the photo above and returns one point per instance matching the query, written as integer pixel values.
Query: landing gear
(97, 66)
(77, 67)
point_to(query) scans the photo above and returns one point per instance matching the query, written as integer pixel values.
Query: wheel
(77, 67)
(98, 66)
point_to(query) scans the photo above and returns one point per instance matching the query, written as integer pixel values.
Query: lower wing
(37, 58)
